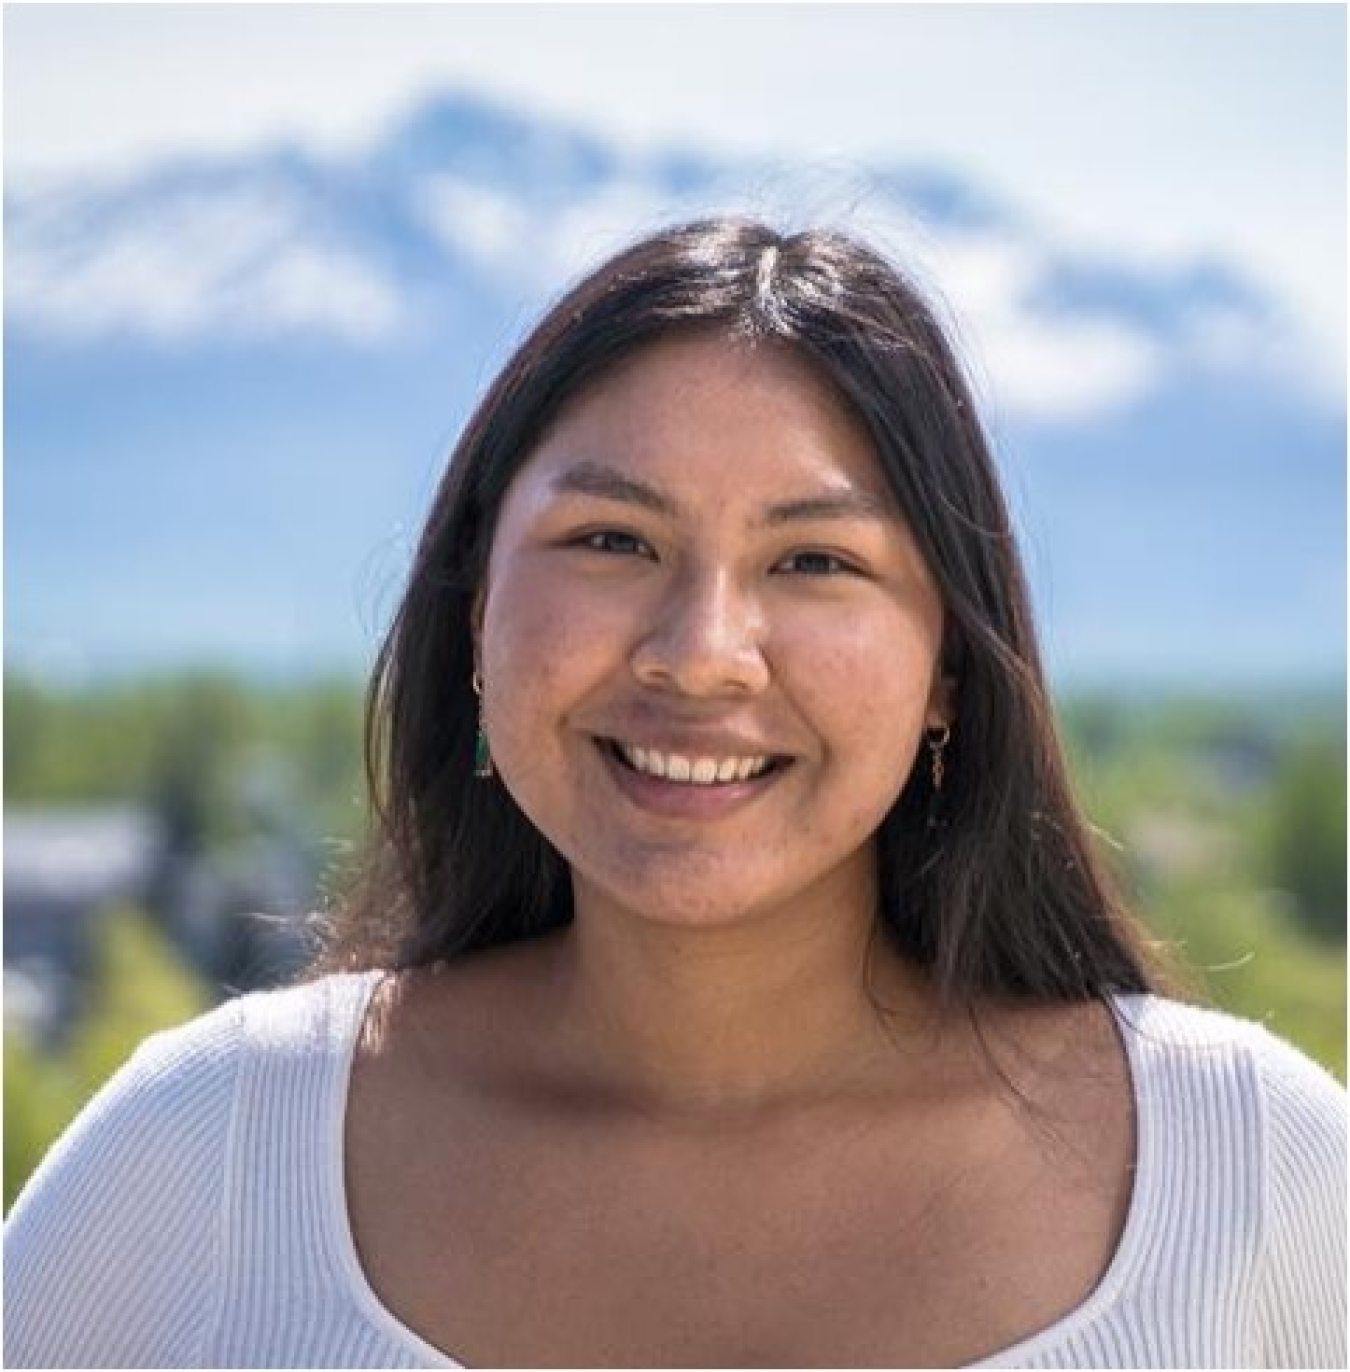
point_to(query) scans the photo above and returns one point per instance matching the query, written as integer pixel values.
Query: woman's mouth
(692, 769)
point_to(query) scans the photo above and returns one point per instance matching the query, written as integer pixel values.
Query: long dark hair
(992, 883)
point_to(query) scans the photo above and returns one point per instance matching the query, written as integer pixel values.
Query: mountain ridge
(231, 385)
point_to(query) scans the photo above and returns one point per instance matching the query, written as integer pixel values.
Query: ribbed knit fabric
(195, 1215)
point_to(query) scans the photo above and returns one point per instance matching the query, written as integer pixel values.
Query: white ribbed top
(195, 1214)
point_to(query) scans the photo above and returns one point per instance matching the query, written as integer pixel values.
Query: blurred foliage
(206, 750)
(1303, 833)
(1250, 958)
(139, 986)
(1225, 820)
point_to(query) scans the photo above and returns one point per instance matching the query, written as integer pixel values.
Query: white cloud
(1293, 252)
(1057, 365)
(481, 223)
(1063, 370)
(535, 247)
(594, 228)
(239, 262)
(306, 287)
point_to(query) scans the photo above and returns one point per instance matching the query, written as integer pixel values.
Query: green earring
(482, 750)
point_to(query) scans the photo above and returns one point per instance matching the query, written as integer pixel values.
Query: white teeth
(703, 771)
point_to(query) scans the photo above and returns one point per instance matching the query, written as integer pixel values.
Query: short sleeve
(1303, 1306)
(111, 1249)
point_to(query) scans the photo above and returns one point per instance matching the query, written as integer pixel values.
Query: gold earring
(482, 750)
(937, 737)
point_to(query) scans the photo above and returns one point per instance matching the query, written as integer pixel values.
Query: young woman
(732, 981)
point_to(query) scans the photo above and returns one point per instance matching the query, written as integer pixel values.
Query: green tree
(1305, 840)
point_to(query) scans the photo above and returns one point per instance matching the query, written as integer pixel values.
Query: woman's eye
(815, 564)
(614, 541)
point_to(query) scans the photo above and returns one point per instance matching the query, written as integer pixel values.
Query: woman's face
(708, 642)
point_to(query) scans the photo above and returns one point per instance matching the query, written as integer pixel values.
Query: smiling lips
(692, 771)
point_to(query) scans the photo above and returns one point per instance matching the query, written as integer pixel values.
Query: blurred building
(65, 868)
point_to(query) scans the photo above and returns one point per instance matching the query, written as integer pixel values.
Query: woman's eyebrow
(596, 479)
(849, 502)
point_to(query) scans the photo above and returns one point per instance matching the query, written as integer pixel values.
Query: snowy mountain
(229, 387)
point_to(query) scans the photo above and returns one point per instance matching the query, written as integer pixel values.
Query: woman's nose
(707, 639)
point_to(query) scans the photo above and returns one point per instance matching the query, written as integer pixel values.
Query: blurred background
(259, 260)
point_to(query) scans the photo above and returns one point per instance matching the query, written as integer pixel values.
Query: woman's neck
(735, 1020)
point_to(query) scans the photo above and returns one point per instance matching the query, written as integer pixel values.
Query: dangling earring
(482, 751)
(937, 736)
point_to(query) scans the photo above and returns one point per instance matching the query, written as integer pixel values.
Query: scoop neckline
(1116, 1277)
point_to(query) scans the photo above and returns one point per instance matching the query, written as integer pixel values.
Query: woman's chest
(932, 1245)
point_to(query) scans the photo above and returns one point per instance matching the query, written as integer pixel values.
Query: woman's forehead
(694, 412)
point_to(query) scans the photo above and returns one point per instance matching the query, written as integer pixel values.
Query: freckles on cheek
(889, 661)
(850, 684)
(536, 653)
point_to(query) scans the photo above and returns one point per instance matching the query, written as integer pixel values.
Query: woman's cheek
(549, 642)
(549, 624)
(839, 650)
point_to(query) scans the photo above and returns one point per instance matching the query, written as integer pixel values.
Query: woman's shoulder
(180, 1077)
(1219, 1066)
(325, 1013)
(202, 1058)
(1181, 1032)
